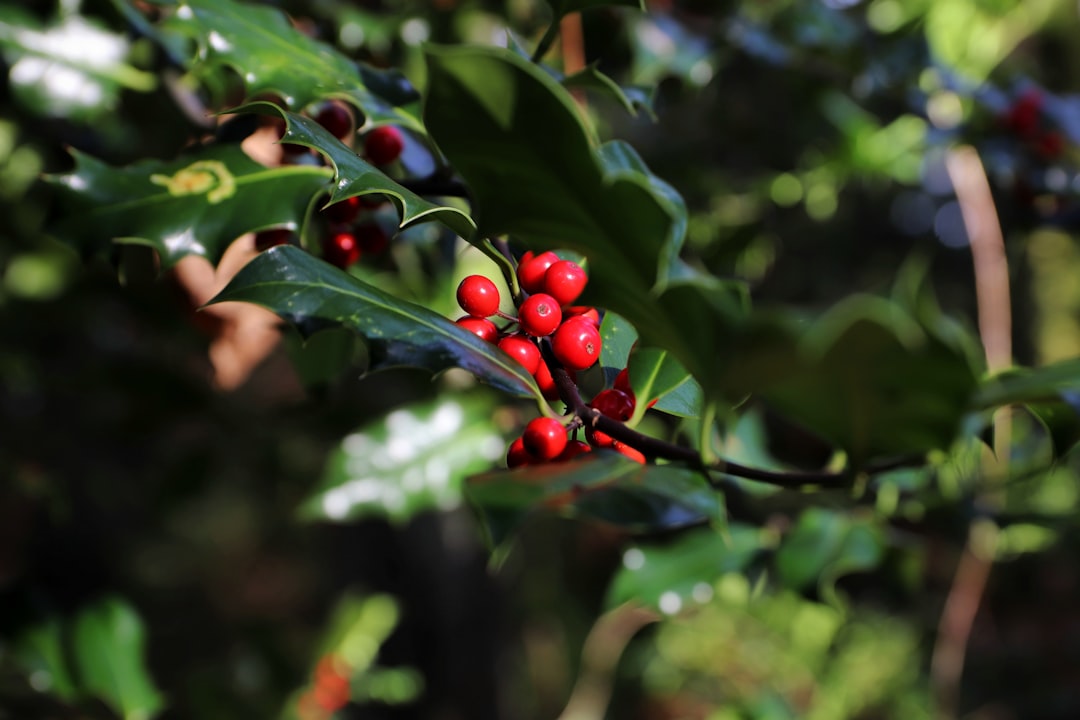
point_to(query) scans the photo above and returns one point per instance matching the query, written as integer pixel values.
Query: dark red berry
(372, 239)
(517, 455)
(523, 350)
(573, 449)
(1023, 117)
(383, 145)
(576, 343)
(1050, 145)
(266, 239)
(564, 281)
(614, 404)
(632, 453)
(545, 381)
(622, 382)
(343, 212)
(532, 269)
(540, 315)
(544, 438)
(336, 118)
(341, 249)
(481, 327)
(583, 311)
(478, 296)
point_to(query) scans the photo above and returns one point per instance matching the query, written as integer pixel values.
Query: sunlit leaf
(655, 374)
(196, 205)
(412, 460)
(108, 649)
(313, 295)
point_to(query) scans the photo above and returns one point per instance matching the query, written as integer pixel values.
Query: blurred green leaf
(39, 649)
(72, 68)
(565, 7)
(633, 99)
(196, 205)
(412, 460)
(687, 567)
(273, 56)
(824, 545)
(1029, 385)
(313, 295)
(108, 652)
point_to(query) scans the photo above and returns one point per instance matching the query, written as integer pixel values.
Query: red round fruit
(545, 381)
(573, 449)
(383, 145)
(341, 249)
(517, 455)
(478, 296)
(336, 118)
(632, 453)
(344, 211)
(614, 404)
(372, 238)
(564, 281)
(481, 327)
(540, 315)
(576, 343)
(583, 311)
(598, 439)
(544, 438)
(266, 239)
(523, 350)
(622, 382)
(533, 268)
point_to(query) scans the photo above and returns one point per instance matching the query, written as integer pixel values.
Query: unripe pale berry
(478, 296)
(576, 343)
(564, 281)
(524, 351)
(540, 315)
(533, 268)
(544, 438)
(383, 145)
(481, 327)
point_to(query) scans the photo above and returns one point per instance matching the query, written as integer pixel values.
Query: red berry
(371, 237)
(481, 327)
(267, 239)
(622, 382)
(573, 449)
(1023, 117)
(532, 269)
(1050, 145)
(540, 315)
(632, 453)
(517, 455)
(544, 438)
(383, 145)
(545, 382)
(583, 311)
(478, 296)
(598, 439)
(343, 212)
(341, 249)
(524, 351)
(576, 343)
(336, 118)
(565, 281)
(614, 404)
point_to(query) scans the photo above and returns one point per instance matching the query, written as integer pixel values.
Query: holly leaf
(108, 653)
(633, 99)
(313, 295)
(196, 205)
(824, 546)
(655, 374)
(355, 176)
(602, 486)
(413, 459)
(272, 56)
(1029, 385)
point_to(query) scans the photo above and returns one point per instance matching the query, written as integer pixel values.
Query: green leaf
(687, 567)
(654, 373)
(825, 545)
(39, 650)
(565, 7)
(196, 205)
(272, 56)
(618, 337)
(108, 652)
(536, 173)
(604, 486)
(633, 99)
(87, 56)
(313, 295)
(412, 460)
(354, 176)
(1029, 385)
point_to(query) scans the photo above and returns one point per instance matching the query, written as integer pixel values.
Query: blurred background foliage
(156, 529)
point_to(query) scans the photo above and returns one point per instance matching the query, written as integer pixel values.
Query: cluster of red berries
(552, 285)
(1025, 119)
(329, 691)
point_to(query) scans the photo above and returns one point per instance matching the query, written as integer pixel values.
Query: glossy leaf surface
(312, 295)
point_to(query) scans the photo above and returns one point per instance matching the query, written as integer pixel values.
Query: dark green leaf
(618, 337)
(1029, 385)
(565, 7)
(537, 174)
(687, 567)
(825, 545)
(1062, 421)
(39, 650)
(314, 295)
(633, 99)
(272, 56)
(196, 205)
(412, 460)
(655, 374)
(354, 176)
(108, 651)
